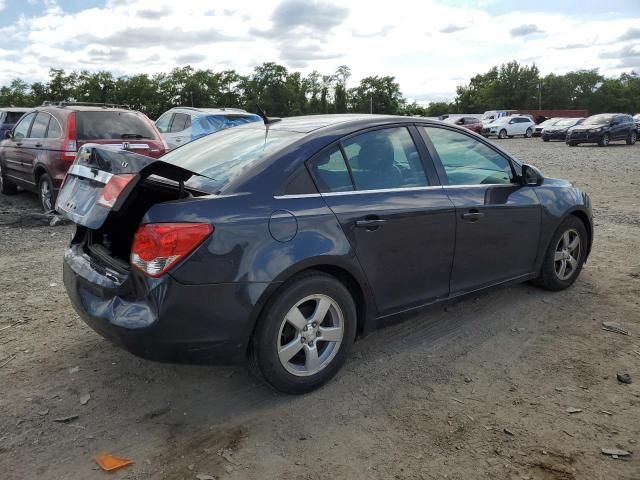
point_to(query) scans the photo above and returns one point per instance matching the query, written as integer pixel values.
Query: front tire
(545, 139)
(46, 193)
(528, 133)
(632, 138)
(305, 333)
(503, 134)
(604, 141)
(6, 186)
(565, 256)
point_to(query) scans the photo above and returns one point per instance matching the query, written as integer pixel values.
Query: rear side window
(113, 125)
(22, 128)
(468, 161)
(385, 158)
(39, 127)
(181, 121)
(331, 172)
(54, 129)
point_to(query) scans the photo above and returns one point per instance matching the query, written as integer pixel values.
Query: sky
(430, 46)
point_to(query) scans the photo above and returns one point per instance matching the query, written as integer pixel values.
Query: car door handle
(38, 145)
(472, 215)
(370, 223)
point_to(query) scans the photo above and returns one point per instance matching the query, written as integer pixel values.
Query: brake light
(69, 144)
(113, 189)
(159, 246)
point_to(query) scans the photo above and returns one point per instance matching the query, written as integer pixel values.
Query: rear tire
(46, 193)
(632, 138)
(565, 256)
(6, 186)
(288, 349)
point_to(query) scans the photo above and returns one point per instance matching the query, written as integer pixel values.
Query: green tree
(376, 95)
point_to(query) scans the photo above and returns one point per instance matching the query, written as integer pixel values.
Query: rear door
(497, 219)
(399, 221)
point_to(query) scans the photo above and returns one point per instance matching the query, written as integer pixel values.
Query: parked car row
(40, 143)
(38, 150)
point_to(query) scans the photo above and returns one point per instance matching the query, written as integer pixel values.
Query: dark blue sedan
(280, 242)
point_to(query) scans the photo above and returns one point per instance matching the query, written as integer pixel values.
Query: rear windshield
(228, 153)
(113, 126)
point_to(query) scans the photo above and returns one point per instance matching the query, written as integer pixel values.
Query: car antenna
(267, 120)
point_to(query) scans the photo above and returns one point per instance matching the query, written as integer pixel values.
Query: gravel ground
(477, 390)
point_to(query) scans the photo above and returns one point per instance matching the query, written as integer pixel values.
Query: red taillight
(113, 189)
(69, 144)
(158, 246)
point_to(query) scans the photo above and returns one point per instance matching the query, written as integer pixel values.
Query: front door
(16, 155)
(498, 220)
(400, 225)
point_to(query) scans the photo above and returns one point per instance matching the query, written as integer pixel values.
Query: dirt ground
(477, 390)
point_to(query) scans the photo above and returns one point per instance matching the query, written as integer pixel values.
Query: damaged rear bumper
(162, 319)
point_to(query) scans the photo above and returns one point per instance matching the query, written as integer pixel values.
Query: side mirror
(8, 134)
(531, 176)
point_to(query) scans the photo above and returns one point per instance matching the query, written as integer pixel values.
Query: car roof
(310, 123)
(222, 110)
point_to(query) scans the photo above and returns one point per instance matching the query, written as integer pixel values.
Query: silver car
(181, 125)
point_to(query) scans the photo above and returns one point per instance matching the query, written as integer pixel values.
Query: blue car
(279, 242)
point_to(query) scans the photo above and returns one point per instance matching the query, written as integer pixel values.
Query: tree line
(281, 92)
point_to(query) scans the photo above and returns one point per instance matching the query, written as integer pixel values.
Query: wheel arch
(353, 281)
(584, 218)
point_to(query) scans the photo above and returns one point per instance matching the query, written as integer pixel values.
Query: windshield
(228, 153)
(567, 122)
(602, 119)
(106, 125)
(551, 121)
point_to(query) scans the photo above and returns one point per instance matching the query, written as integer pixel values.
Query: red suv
(39, 150)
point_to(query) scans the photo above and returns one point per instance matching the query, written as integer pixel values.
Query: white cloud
(428, 46)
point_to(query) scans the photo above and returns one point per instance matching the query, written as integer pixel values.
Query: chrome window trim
(390, 190)
(90, 173)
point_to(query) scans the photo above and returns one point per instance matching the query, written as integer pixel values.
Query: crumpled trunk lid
(95, 166)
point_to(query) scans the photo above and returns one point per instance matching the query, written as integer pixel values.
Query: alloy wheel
(567, 254)
(46, 196)
(528, 133)
(310, 335)
(605, 139)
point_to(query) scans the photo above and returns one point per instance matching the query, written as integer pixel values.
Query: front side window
(468, 161)
(39, 127)
(164, 122)
(384, 158)
(22, 128)
(331, 172)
